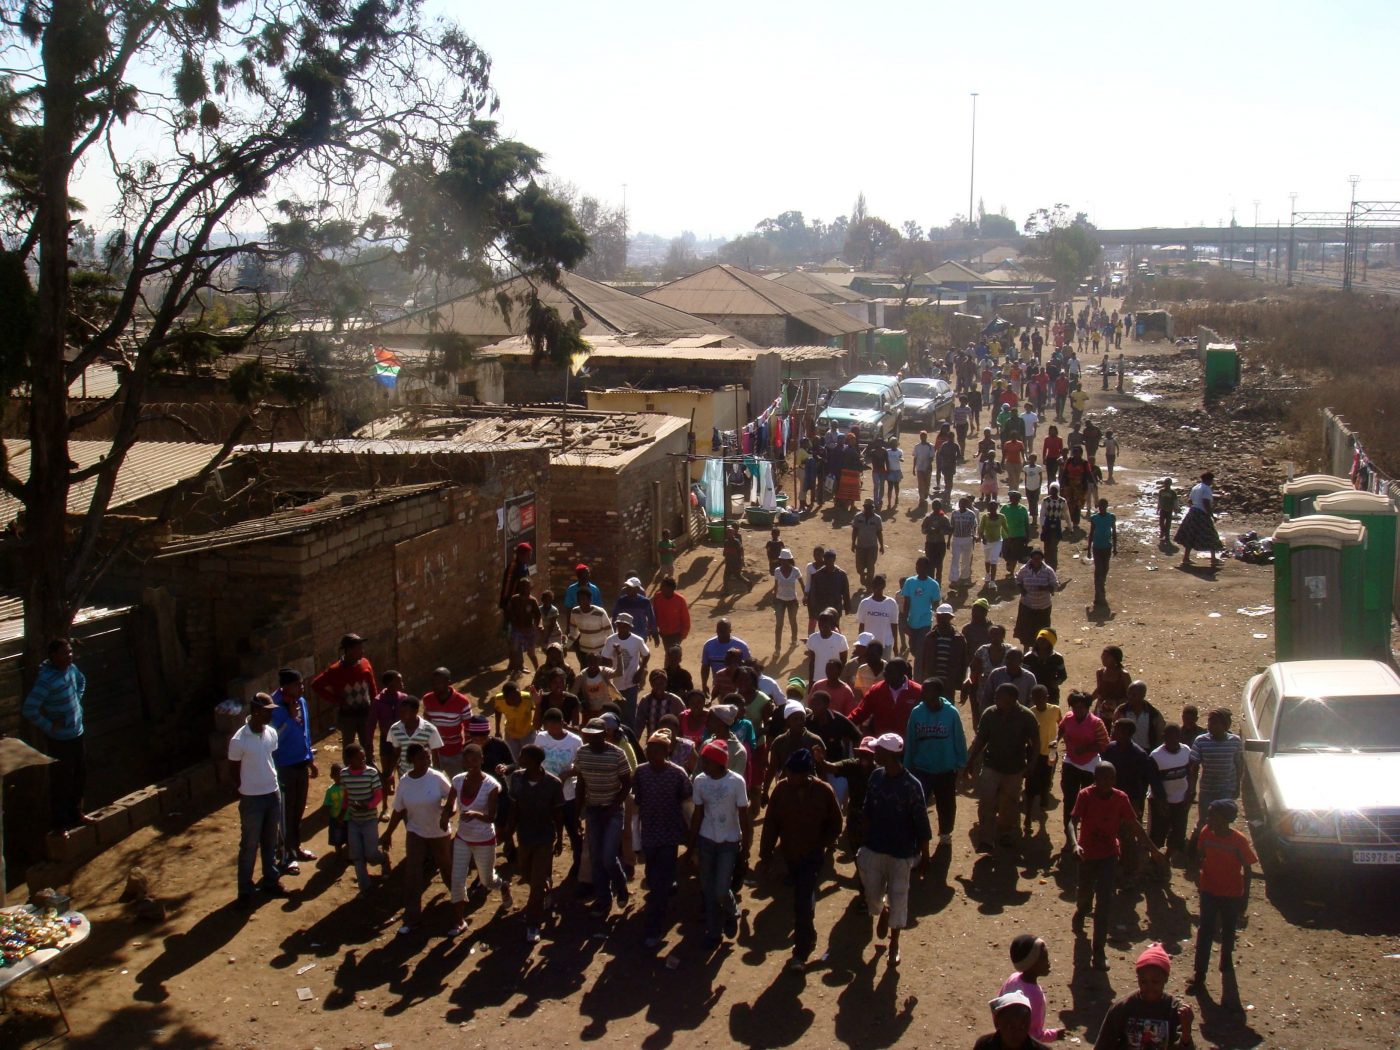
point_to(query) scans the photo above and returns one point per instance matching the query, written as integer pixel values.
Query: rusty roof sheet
(149, 467)
(727, 291)
(601, 308)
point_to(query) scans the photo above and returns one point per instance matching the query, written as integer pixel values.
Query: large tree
(1063, 247)
(298, 132)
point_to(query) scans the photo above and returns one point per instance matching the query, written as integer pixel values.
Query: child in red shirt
(1223, 880)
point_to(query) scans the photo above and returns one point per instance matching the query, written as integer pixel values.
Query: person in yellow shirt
(1078, 401)
(1047, 715)
(515, 718)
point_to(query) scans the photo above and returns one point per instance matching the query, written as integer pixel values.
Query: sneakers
(305, 854)
(291, 868)
(458, 928)
(532, 934)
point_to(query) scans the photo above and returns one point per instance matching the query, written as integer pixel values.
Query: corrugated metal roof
(12, 616)
(602, 308)
(952, 271)
(98, 380)
(314, 515)
(728, 291)
(149, 467)
(391, 446)
(809, 353)
(815, 285)
(608, 348)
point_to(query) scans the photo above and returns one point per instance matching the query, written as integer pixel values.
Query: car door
(1261, 712)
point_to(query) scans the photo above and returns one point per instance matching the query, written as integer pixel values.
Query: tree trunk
(48, 611)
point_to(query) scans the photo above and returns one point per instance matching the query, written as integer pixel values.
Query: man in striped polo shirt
(604, 779)
(448, 710)
(410, 729)
(363, 790)
(1220, 754)
(964, 525)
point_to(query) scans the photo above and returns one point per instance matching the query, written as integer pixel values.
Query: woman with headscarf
(1045, 663)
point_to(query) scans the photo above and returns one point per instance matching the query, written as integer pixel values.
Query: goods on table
(23, 932)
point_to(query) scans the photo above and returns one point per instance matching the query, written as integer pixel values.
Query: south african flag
(386, 367)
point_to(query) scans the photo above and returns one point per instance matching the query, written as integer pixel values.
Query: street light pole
(1292, 212)
(971, 178)
(1254, 262)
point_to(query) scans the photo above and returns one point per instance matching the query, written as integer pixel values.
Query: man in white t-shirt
(1030, 421)
(559, 747)
(250, 753)
(923, 466)
(418, 803)
(628, 654)
(721, 833)
(826, 643)
(879, 614)
(1172, 791)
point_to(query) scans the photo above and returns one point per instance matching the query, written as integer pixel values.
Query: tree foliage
(326, 127)
(1063, 247)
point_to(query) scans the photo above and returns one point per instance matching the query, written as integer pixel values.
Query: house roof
(680, 350)
(952, 272)
(149, 467)
(12, 616)
(815, 285)
(725, 290)
(601, 308)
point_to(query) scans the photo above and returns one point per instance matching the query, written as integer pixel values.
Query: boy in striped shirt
(363, 791)
(1220, 754)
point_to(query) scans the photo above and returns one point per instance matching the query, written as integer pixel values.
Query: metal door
(1316, 602)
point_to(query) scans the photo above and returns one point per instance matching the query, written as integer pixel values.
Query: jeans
(258, 817)
(1097, 881)
(1225, 913)
(571, 829)
(294, 782)
(805, 875)
(67, 781)
(661, 878)
(1033, 504)
(604, 851)
(842, 788)
(364, 849)
(941, 790)
(717, 862)
(916, 637)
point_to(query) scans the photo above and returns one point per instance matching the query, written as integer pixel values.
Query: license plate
(1375, 856)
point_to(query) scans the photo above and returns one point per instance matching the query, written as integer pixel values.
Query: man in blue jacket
(55, 707)
(296, 764)
(935, 750)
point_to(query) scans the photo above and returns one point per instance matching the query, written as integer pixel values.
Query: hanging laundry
(763, 492)
(712, 479)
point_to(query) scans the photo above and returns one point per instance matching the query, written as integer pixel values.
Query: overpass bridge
(1192, 236)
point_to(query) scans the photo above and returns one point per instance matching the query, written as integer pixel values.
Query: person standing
(878, 614)
(721, 833)
(1168, 500)
(418, 805)
(804, 818)
(672, 613)
(537, 827)
(946, 459)
(628, 653)
(964, 534)
(349, 686)
(935, 751)
(897, 836)
(1031, 958)
(589, 627)
(867, 541)
(604, 781)
(828, 587)
(661, 789)
(522, 613)
(561, 748)
(1047, 716)
(1037, 583)
(715, 651)
(252, 756)
(448, 710)
(1032, 478)
(1097, 819)
(945, 654)
(1103, 545)
(1086, 737)
(1220, 754)
(923, 466)
(1172, 789)
(363, 791)
(1197, 529)
(634, 602)
(886, 705)
(1226, 857)
(788, 591)
(54, 706)
(919, 594)
(1009, 737)
(296, 764)
(937, 529)
(1016, 533)
(1148, 1017)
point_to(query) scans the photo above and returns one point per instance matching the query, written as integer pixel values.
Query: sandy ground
(1313, 969)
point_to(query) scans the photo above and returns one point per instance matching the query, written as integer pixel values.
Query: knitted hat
(1155, 955)
(716, 752)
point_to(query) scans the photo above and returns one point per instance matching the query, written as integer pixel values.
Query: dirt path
(1312, 971)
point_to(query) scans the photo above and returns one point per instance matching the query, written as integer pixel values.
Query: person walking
(1085, 738)
(828, 588)
(918, 595)
(721, 834)
(1037, 583)
(935, 751)
(54, 706)
(476, 796)
(604, 781)
(897, 836)
(448, 710)
(1103, 545)
(804, 819)
(252, 757)
(672, 613)
(963, 523)
(1016, 533)
(1009, 737)
(923, 466)
(364, 789)
(349, 686)
(1197, 529)
(1168, 500)
(661, 788)
(1148, 1017)
(1224, 880)
(937, 529)
(945, 654)
(1032, 480)
(418, 805)
(788, 591)
(1220, 755)
(946, 459)
(296, 764)
(537, 809)
(867, 541)
(1172, 789)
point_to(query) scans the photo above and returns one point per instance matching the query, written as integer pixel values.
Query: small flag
(386, 367)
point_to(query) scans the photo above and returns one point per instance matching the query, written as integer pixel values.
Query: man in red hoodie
(349, 686)
(886, 706)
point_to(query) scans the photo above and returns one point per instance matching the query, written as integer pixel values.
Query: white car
(1322, 757)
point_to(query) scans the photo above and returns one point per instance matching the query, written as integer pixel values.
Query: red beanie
(1155, 955)
(716, 752)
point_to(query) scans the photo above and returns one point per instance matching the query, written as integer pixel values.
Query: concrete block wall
(765, 330)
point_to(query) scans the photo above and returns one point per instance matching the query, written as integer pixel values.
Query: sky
(718, 115)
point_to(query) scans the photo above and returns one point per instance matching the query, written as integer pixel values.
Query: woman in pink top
(1085, 737)
(693, 718)
(1032, 961)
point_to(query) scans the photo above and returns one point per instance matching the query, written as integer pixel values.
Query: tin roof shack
(838, 294)
(615, 479)
(406, 546)
(726, 408)
(761, 310)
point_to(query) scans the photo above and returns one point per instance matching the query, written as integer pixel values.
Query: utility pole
(971, 180)
(1292, 212)
(1254, 252)
(1349, 247)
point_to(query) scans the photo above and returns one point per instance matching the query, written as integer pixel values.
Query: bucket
(782, 499)
(716, 529)
(759, 516)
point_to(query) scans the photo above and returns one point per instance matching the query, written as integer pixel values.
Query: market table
(41, 959)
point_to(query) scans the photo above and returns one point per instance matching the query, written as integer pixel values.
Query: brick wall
(765, 330)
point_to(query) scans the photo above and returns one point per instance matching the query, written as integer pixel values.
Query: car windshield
(1352, 723)
(860, 399)
(922, 387)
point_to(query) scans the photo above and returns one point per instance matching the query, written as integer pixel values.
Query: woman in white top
(418, 804)
(895, 458)
(789, 589)
(475, 796)
(1197, 529)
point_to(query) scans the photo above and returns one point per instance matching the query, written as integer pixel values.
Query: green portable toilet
(893, 345)
(1222, 369)
(1300, 493)
(1377, 513)
(1319, 596)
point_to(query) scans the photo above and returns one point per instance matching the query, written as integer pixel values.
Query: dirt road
(1312, 965)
